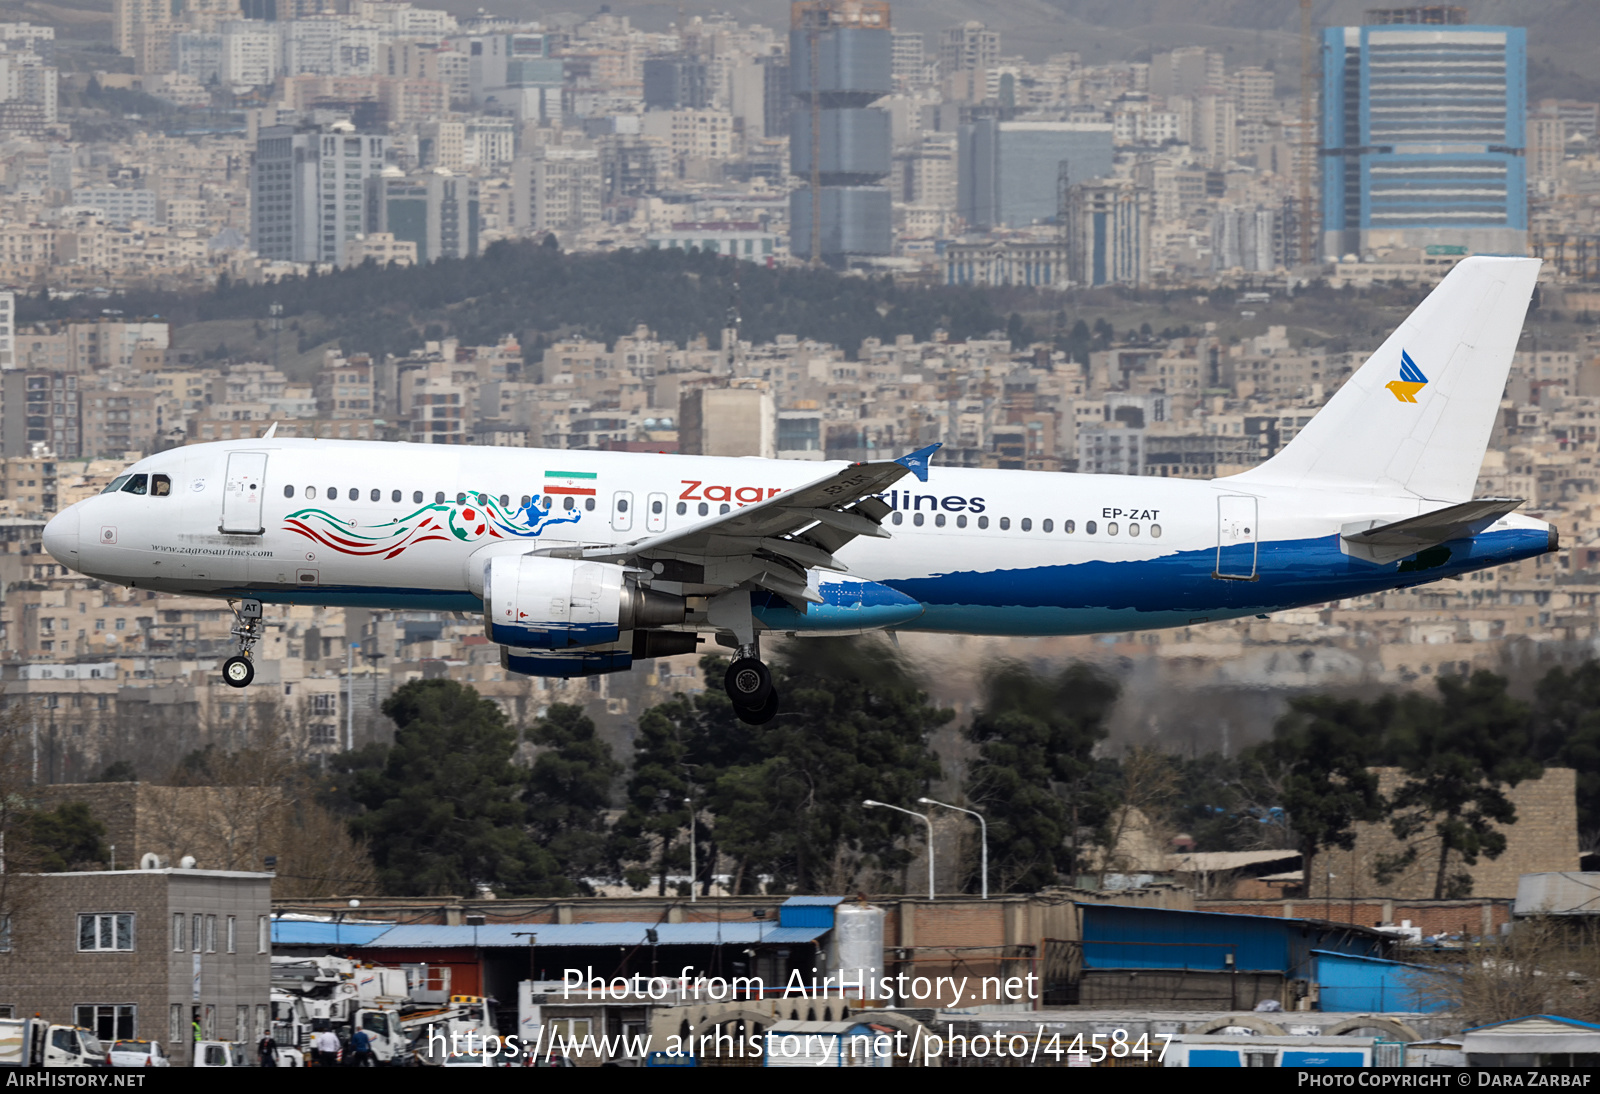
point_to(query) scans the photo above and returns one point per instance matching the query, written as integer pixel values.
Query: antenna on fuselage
(271, 429)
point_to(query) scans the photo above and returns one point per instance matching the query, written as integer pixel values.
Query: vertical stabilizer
(1416, 418)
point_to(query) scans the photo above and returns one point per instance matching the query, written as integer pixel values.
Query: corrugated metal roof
(438, 936)
(1567, 893)
(1119, 936)
(302, 932)
(1215, 861)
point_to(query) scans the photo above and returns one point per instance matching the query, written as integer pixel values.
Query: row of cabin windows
(417, 496)
(1026, 524)
(161, 486)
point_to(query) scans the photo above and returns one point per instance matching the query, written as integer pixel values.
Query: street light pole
(349, 696)
(925, 819)
(983, 827)
(694, 875)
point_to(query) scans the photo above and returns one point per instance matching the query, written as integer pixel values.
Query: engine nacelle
(542, 603)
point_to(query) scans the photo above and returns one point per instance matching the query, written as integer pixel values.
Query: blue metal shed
(1121, 937)
(1367, 985)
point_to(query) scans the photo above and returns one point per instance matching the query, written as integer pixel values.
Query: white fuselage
(400, 526)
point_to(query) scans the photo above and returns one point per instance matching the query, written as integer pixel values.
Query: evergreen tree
(443, 812)
(1316, 769)
(1035, 737)
(1460, 753)
(569, 790)
(66, 838)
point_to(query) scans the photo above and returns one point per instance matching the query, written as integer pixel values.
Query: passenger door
(1237, 534)
(242, 494)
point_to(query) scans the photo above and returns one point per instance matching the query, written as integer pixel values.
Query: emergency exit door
(242, 493)
(1236, 538)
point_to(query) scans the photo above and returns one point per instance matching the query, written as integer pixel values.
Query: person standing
(361, 1049)
(327, 1045)
(267, 1050)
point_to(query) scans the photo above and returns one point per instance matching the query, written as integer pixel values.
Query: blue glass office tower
(1423, 138)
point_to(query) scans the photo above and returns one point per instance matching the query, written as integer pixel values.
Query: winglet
(271, 432)
(918, 461)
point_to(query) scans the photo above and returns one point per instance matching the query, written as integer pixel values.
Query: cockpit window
(115, 484)
(160, 485)
(137, 484)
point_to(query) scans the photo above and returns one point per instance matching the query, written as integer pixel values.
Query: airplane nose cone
(61, 537)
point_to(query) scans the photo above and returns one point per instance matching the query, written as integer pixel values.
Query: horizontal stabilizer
(1386, 542)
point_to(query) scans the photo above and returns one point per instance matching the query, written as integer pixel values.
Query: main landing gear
(238, 671)
(749, 685)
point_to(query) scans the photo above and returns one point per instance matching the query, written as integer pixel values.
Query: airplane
(583, 562)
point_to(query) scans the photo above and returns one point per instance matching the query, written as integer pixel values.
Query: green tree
(1316, 769)
(569, 790)
(1566, 719)
(1035, 737)
(1459, 754)
(444, 812)
(67, 838)
(656, 811)
(785, 800)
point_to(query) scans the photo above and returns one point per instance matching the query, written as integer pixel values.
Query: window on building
(195, 937)
(109, 1021)
(106, 932)
(233, 934)
(211, 934)
(263, 934)
(177, 932)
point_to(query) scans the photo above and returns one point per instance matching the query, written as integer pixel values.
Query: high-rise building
(1187, 70)
(968, 48)
(1108, 232)
(676, 81)
(839, 64)
(1423, 136)
(556, 188)
(308, 190)
(1011, 173)
(437, 211)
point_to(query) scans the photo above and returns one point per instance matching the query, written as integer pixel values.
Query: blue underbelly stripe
(1089, 597)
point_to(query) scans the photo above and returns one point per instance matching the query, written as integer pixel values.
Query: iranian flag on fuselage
(570, 482)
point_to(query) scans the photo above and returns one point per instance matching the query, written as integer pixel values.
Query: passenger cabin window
(438, 498)
(1005, 524)
(416, 497)
(983, 522)
(333, 493)
(288, 491)
(311, 493)
(376, 494)
(961, 521)
(354, 495)
(683, 507)
(1047, 525)
(1069, 526)
(137, 484)
(394, 495)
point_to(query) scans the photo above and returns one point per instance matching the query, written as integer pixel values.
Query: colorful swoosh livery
(481, 517)
(1411, 380)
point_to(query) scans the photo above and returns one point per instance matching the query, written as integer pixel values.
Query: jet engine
(542, 603)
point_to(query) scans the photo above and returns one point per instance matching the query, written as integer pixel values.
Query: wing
(771, 544)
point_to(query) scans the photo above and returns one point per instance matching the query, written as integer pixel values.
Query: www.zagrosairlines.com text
(225, 552)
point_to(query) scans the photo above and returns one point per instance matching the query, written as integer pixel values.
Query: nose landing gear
(238, 671)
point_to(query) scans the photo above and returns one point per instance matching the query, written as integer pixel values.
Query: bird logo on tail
(1411, 380)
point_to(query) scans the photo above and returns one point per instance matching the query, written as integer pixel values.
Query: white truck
(434, 1032)
(312, 994)
(33, 1042)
